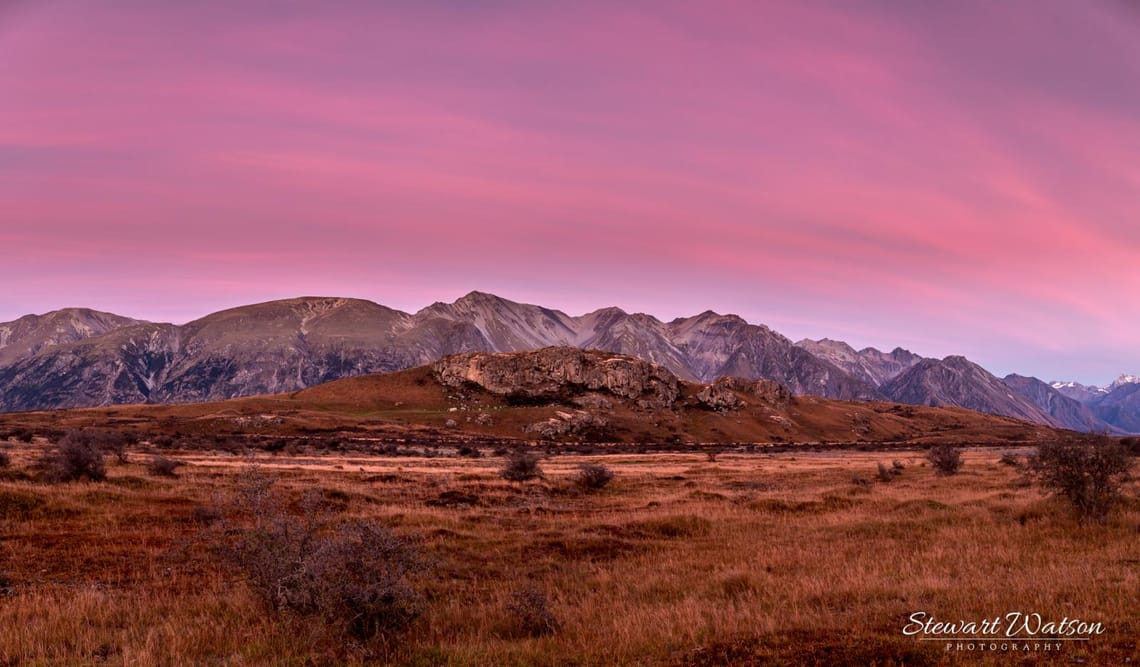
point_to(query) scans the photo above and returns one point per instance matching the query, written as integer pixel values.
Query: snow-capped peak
(1123, 380)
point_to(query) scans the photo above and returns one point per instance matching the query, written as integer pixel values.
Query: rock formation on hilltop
(560, 373)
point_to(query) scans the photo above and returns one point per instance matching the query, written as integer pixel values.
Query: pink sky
(958, 177)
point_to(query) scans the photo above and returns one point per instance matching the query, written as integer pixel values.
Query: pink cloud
(893, 174)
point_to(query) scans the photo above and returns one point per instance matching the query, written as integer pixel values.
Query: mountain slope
(869, 364)
(295, 343)
(957, 381)
(1120, 407)
(28, 335)
(1067, 412)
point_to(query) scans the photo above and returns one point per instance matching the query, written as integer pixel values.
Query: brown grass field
(751, 559)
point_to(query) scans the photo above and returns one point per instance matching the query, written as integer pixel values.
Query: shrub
(530, 613)
(1090, 475)
(897, 467)
(160, 466)
(945, 458)
(112, 442)
(24, 435)
(885, 474)
(350, 576)
(5, 461)
(469, 451)
(76, 456)
(1009, 459)
(1132, 445)
(520, 467)
(593, 476)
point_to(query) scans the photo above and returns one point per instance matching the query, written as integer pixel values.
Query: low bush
(530, 613)
(75, 457)
(945, 458)
(161, 466)
(885, 474)
(1091, 475)
(5, 460)
(351, 576)
(593, 476)
(1009, 459)
(520, 467)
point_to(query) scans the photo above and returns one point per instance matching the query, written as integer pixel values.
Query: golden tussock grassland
(782, 559)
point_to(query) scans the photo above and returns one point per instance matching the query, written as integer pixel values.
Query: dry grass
(751, 559)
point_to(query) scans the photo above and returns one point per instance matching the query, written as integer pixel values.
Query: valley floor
(748, 559)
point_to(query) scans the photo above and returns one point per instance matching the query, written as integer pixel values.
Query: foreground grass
(749, 559)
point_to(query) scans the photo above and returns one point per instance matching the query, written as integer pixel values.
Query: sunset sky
(952, 177)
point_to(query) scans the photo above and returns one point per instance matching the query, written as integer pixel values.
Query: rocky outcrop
(559, 374)
(725, 394)
(569, 424)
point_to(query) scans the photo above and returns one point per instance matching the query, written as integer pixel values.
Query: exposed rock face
(276, 347)
(558, 373)
(30, 334)
(1068, 412)
(563, 424)
(718, 396)
(724, 394)
(956, 381)
(870, 365)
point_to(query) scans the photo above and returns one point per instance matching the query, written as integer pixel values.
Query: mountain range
(79, 357)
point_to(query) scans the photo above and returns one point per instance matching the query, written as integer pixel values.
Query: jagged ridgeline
(80, 357)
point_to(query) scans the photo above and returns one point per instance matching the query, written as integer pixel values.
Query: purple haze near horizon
(954, 178)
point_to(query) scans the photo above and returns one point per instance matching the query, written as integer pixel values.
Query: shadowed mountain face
(66, 360)
(1068, 412)
(1120, 407)
(957, 381)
